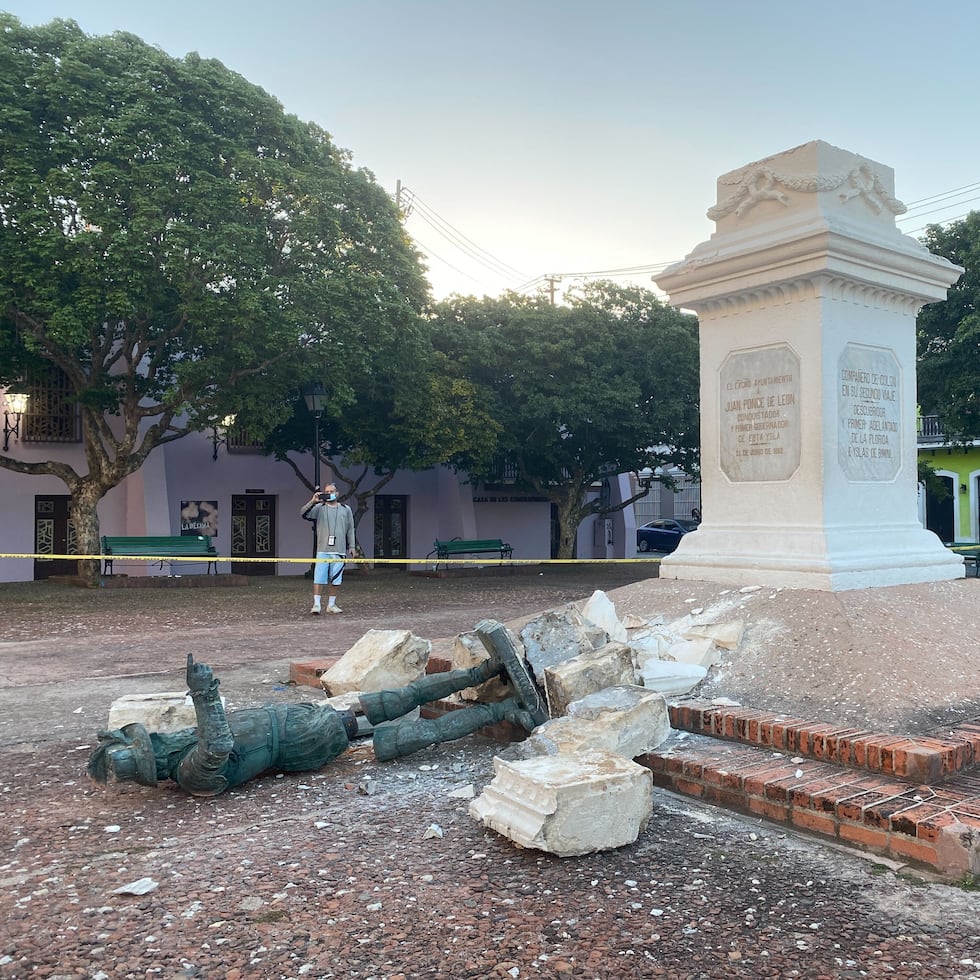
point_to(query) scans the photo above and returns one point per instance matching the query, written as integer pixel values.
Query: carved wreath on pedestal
(762, 183)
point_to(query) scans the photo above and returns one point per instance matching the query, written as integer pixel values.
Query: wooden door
(54, 534)
(253, 533)
(391, 527)
(939, 513)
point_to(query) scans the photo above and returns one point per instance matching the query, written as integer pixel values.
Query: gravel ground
(375, 870)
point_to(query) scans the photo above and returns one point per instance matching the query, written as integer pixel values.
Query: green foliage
(935, 485)
(179, 246)
(605, 384)
(949, 335)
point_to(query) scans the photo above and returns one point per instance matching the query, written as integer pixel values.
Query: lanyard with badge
(332, 527)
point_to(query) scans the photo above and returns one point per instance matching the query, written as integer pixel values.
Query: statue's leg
(394, 740)
(379, 706)
(501, 646)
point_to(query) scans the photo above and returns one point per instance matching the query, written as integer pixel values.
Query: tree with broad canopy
(178, 249)
(948, 335)
(605, 384)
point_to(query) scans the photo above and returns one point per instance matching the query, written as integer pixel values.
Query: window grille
(52, 415)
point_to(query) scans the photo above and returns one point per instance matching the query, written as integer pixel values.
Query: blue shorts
(329, 572)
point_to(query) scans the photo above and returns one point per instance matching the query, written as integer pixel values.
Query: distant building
(954, 517)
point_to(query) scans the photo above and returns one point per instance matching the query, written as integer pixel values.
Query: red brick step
(927, 759)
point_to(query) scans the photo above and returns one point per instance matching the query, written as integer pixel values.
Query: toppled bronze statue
(225, 751)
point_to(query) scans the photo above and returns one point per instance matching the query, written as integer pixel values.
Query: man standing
(334, 542)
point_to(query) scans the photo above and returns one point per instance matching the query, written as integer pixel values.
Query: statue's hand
(199, 676)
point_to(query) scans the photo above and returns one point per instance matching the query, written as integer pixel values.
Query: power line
(499, 268)
(929, 200)
(457, 238)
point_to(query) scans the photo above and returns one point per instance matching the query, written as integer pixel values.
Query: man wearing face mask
(334, 541)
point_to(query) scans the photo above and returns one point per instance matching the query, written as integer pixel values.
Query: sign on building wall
(199, 517)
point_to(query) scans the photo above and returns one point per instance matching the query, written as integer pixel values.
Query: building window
(241, 443)
(52, 415)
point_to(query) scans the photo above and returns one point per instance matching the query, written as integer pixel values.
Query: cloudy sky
(564, 138)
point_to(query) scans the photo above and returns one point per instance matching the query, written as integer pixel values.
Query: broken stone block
(669, 677)
(468, 651)
(591, 671)
(652, 642)
(628, 720)
(378, 661)
(165, 712)
(554, 637)
(728, 636)
(599, 609)
(701, 651)
(633, 622)
(567, 805)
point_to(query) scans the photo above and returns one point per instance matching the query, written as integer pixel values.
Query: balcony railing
(931, 429)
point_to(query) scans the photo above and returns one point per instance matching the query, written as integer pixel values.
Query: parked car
(663, 535)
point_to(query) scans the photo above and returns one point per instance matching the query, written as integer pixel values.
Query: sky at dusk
(541, 138)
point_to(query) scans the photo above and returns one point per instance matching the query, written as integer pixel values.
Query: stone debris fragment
(167, 711)
(567, 804)
(380, 660)
(142, 886)
(594, 670)
(433, 831)
(555, 637)
(700, 650)
(627, 720)
(670, 678)
(469, 651)
(599, 609)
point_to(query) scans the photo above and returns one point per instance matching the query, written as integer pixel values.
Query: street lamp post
(315, 396)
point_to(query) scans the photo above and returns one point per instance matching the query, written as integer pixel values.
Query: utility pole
(551, 280)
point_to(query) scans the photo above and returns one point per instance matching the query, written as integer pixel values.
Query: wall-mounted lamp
(16, 406)
(645, 477)
(963, 488)
(219, 433)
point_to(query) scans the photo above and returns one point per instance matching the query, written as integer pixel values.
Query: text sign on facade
(759, 425)
(869, 406)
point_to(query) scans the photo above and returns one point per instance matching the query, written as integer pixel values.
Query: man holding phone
(335, 541)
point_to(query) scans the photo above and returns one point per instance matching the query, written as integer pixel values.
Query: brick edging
(918, 759)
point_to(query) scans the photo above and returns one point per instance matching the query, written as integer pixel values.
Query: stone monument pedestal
(807, 295)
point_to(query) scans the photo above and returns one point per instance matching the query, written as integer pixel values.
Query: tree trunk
(569, 518)
(85, 498)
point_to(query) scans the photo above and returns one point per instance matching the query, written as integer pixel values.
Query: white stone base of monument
(567, 805)
(164, 712)
(797, 558)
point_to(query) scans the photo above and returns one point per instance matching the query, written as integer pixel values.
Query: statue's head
(124, 755)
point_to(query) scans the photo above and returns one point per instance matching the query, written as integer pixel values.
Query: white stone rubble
(379, 661)
(568, 804)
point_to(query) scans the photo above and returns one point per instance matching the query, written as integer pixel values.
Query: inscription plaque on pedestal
(760, 414)
(869, 399)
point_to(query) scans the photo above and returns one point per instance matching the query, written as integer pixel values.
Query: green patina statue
(227, 750)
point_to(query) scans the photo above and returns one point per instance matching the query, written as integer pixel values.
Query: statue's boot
(391, 741)
(379, 706)
(501, 645)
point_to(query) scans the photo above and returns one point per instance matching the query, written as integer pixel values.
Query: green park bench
(444, 550)
(969, 551)
(158, 548)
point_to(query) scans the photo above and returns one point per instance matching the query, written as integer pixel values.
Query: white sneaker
(315, 611)
(334, 609)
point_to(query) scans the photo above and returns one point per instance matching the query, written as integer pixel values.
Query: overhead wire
(453, 235)
(501, 269)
